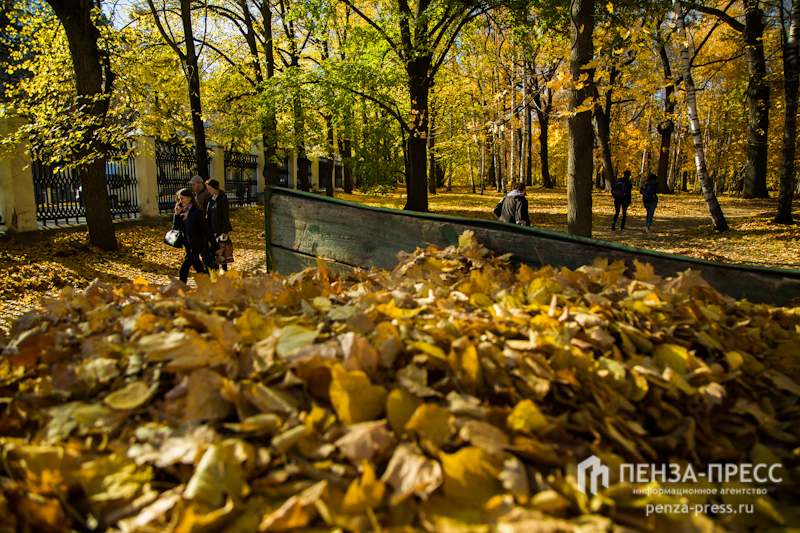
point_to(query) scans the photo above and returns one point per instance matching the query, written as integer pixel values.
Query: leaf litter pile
(456, 393)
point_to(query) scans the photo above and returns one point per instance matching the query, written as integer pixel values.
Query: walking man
(200, 193)
(622, 198)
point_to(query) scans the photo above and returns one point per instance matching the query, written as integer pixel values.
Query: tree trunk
(667, 127)
(93, 83)
(419, 87)
(581, 135)
(714, 209)
(432, 177)
(469, 153)
(195, 105)
(543, 118)
(755, 183)
(791, 70)
(450, 159)
(269, 124)
(528, 133)
(602, 116)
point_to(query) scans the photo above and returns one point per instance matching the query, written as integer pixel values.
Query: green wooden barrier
(302, 226)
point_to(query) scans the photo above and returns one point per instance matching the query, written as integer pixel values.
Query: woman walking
(198, 239)
(650, 199)
(218, 214)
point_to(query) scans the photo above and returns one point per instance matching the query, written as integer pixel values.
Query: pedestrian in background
(650, 199)
(622, 198)
(198, 240)
(514, 209)
(200, 192)
(218, 215)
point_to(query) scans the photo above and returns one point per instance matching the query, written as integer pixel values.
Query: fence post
(146, 176)
(217, 165)
(314, 174)
(257, 149)
(17, 195)
(292, 169)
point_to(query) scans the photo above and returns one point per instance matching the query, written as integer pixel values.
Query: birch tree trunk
(469, 153)
(791, 69)
(714, 209)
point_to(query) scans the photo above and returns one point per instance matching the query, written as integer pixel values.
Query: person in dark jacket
(218, 213)
(622, 198)
(200, 192)
(650, 199)
(198, 239)
(515, 206)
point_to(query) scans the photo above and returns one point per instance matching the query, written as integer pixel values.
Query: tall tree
(667, 126)
(94, 81)
(581, 134)
(714, 209)
(191, 71)
(426, 30)
(752, 31)
(791, 72)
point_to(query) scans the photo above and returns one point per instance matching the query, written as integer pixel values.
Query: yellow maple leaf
(471, 476)
(354, 398)
(364, 493)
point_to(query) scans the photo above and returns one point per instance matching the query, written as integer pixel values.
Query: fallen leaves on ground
(63, 259)
(456, 393)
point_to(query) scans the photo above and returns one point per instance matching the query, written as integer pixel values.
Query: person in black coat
(515, 206)
(218, 213)
(622, 199)
(197, 236)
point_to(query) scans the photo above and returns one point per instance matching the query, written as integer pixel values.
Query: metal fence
(282, 173)
(325, 171)
(241, 185)
(175, 164)
(59, 194)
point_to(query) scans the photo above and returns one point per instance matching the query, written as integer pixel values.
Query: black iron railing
(241, 186)
(176, 164)
(59, 194)
(282, 173)
(325, 171)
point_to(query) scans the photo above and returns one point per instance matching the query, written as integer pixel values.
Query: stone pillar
(17, 195)
(314, 174)
(257, 149)
(146, 176)
(292, 170)
(217, 164)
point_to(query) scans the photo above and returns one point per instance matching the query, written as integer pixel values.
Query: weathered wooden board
(309, 225)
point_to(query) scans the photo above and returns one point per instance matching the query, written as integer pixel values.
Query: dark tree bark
(433, 182)
(667, 127)
(602, 117)
(755, 182)
(791, 70)
(195, 105)
(269, 124)
(543, 110)
(757, 93)
(93, 84)
(190, 70)
(419, 85)
(581, 134)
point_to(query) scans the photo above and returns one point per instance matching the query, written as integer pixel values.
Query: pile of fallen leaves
(455, 393)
